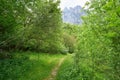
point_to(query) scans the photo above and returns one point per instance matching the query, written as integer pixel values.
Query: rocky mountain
(73, 15)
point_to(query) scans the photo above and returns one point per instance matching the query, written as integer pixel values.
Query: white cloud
(72, 3)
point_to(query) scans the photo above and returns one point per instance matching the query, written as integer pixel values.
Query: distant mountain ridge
(72, 15)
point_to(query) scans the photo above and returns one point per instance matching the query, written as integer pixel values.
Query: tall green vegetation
(30, 25)
(98, 56)
(11, 15)
(70, 35)
(46, 31)
(98, 44)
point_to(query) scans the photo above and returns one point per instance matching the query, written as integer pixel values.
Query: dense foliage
(36, 25)
(98, 52)
(28, 65)
(98, 56)
(70, 35)
(13, 69)
(30, 25)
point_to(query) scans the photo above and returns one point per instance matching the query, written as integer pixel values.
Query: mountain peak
(72, 15)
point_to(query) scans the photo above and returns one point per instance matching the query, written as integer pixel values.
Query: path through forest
(55, 70)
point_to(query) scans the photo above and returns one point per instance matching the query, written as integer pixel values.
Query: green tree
(46, 31)
(99, 44)
(70, 35)
(13, 21)
(30, 25)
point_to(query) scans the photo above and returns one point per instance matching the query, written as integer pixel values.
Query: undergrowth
(28, 66)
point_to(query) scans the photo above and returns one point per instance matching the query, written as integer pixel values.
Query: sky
(71, 3)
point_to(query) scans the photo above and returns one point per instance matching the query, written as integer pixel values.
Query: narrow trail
(55, 70)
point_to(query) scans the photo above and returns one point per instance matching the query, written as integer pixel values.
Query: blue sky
(72, 3)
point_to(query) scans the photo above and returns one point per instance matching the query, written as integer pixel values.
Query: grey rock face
(73, 15)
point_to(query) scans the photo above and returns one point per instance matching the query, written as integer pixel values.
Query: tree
(98, 40)
(31, 25)
(47, 26)
(70, 35)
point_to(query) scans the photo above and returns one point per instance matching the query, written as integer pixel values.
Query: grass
(84, 71)
(28, 66)
(65, 69)
(38, 66)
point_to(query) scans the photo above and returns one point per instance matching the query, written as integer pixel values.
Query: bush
(5, 55)
(13, 69)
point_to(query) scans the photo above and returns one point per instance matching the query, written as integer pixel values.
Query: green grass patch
(64, 71)
(28, 66)
(84, 71)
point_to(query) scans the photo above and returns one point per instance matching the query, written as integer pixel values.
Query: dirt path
(55, 70)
